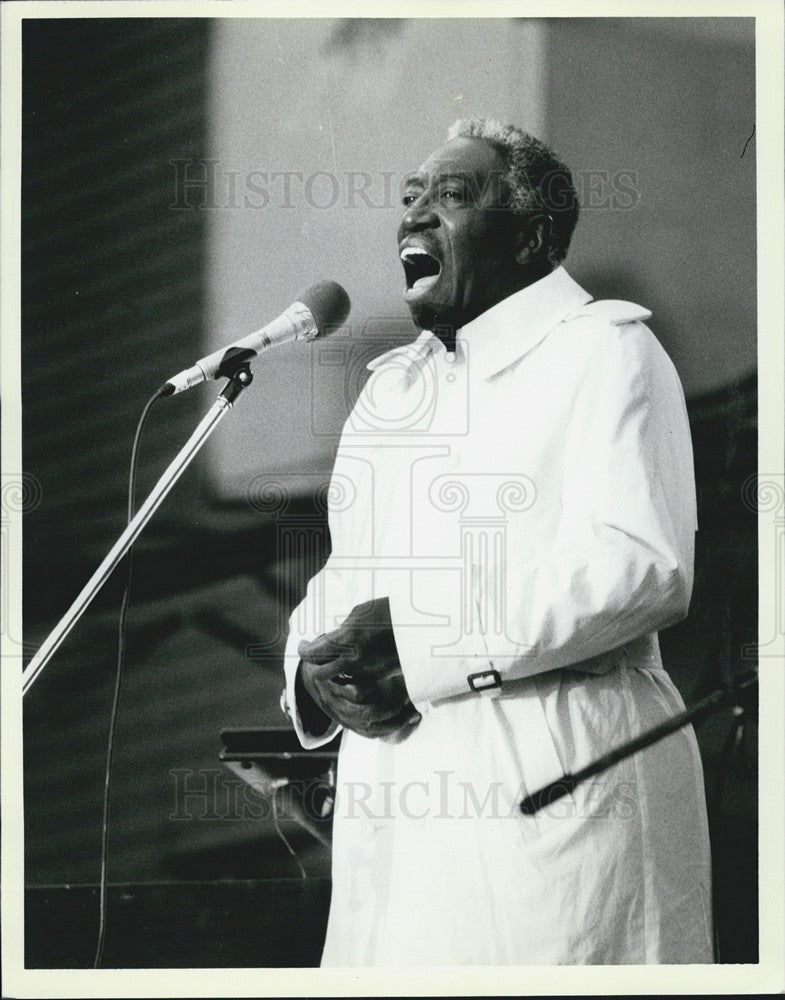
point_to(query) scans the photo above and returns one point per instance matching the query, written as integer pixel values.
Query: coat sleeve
(621, 562)
(337, 587)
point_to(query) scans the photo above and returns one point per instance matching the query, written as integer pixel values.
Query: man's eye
(410, 197)
(452, 194)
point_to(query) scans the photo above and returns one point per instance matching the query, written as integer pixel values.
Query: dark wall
(112, 275)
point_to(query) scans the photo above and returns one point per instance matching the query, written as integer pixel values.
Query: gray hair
(539, 182)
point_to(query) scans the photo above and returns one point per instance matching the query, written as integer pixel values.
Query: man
(513, 521)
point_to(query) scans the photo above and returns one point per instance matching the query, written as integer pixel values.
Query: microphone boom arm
(241, 379)
(744, 686)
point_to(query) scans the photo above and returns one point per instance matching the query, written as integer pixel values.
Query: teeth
(409, 252)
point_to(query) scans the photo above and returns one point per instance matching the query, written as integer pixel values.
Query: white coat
(527, 504)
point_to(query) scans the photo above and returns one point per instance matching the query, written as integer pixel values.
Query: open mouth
(420, 268)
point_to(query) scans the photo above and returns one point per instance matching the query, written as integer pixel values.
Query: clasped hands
(354, 676)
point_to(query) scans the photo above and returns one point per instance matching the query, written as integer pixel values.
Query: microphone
(320, 309)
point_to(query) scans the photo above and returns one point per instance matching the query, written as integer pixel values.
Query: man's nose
(419, 215)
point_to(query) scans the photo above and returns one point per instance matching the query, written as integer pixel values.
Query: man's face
(456, 239)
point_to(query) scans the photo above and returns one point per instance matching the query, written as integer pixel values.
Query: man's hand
(354, 674)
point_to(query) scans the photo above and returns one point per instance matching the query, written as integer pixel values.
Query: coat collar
(505, 332)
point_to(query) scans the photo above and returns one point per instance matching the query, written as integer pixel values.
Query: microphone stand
(240, 379)
(742, 690)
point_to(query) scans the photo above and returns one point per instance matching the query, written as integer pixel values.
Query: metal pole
(743, 688)
(240, 380)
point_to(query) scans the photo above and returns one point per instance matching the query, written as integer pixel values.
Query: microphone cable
(280, 832)
(121, 630)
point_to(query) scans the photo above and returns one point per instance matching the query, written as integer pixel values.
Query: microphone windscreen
(328, 303)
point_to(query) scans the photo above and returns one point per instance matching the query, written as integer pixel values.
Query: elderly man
(513, 520)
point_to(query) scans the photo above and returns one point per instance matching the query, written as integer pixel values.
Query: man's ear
(532, 237)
